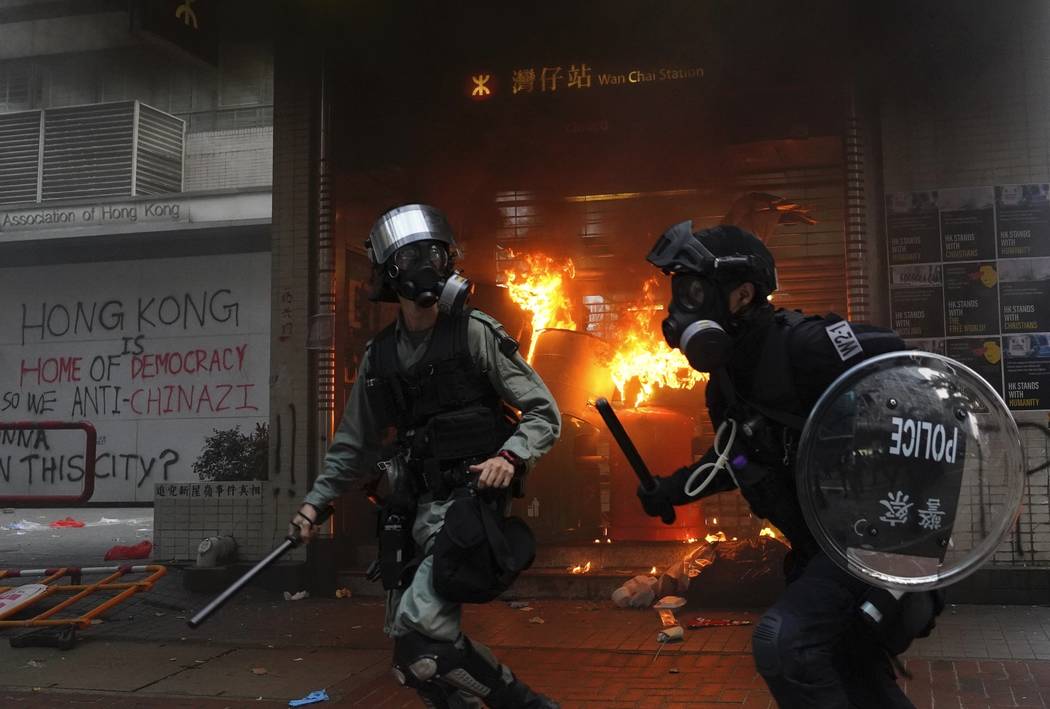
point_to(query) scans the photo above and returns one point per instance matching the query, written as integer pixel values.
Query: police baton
(612, 421)
(290, 542)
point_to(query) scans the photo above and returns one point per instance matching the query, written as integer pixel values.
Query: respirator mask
(422, 272)
(698, 316)
(692, 323)
(413, 255)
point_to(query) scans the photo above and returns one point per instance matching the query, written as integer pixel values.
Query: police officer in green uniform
(433, 407)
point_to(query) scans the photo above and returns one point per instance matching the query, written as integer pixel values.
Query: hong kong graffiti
(155, 369)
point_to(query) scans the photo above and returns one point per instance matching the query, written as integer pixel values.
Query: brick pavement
(586, 654)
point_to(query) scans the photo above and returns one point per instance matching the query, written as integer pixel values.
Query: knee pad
(766, 643)
(419, 659)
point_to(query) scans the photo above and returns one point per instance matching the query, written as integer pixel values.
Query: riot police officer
(431, 408)
(768, 368)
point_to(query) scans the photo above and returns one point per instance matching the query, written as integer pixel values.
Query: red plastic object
(663, 437)
(89, 465)
(67, 522)
(142, 550)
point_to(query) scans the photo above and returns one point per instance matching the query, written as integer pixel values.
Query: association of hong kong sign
(91, 215)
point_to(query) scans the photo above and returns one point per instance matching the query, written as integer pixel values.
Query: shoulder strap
(383, 352)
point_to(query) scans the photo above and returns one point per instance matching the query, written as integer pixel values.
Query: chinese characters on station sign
(575, 77)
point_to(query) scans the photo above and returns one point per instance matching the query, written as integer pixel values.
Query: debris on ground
(312, 698)
(260, 671)
(518, 605)
(343, 593)
(745, 573)
(67, 522)
(537, 620)
(300, 595)
(669, 602)
(717, 623)
(142, 550)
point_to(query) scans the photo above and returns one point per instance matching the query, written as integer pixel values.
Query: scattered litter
(638, 592)
(674, 670)
(8, 511)
(526, 608)
(296, 596)
(298, 659)
(343, 593)
(172, 659)
(537, 620)
(355, 627)
(671, 635)
(519, 605)
(160, 615)
(97, 621)
(142, 550)
(201, 662)
(67, 522)
(260, 671)
(671, 602)
(34, 663)
(312, 698)
(716, 623)
(104, 522)
(23, 526)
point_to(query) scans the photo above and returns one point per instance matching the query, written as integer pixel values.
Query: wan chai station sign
(484, 85)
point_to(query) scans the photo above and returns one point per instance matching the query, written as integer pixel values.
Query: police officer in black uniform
(768, 367)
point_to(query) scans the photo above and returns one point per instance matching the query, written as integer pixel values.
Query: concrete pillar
(293, 458)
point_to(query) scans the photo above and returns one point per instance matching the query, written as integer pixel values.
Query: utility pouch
(477, 555)
(461, 434)
(397, 562)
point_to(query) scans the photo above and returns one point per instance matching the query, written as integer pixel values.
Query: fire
(578, 569)
(768, 532)
(538, 285)
(652, 571)
(716, 537)
(643, 355)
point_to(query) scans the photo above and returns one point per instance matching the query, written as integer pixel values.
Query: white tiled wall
(182, 521)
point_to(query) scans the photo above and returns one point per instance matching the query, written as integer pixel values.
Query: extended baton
(612, 421)
(290, 542)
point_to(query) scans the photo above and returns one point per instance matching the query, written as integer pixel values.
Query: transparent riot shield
(910, 471)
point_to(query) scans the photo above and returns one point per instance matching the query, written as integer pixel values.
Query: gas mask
(698, 317)
(693, 322)
(413, 254)
(422, 272)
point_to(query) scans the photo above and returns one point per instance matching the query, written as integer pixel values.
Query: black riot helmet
(413, 254)
(705, 266)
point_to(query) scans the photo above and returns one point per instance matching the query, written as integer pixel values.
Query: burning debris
(719, 573)
(640, 361)
(642, 355)
(580, 568)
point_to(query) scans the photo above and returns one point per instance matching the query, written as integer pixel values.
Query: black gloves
(659, 502)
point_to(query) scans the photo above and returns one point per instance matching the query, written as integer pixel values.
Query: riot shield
(910, 471)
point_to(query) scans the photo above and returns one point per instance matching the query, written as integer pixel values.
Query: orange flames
(768, 532)
(641, 361)
(716, 537)
(643, 355)
(538, 286)
(578, 569)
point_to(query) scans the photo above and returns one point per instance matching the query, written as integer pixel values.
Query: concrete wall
(229, 159)
(979, 118)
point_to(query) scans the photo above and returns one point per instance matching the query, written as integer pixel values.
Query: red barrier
(89, 465)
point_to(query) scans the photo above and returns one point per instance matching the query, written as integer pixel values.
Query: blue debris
(311, 698)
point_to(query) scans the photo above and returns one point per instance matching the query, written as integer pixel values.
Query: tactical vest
(771, 420)
(444, 408)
